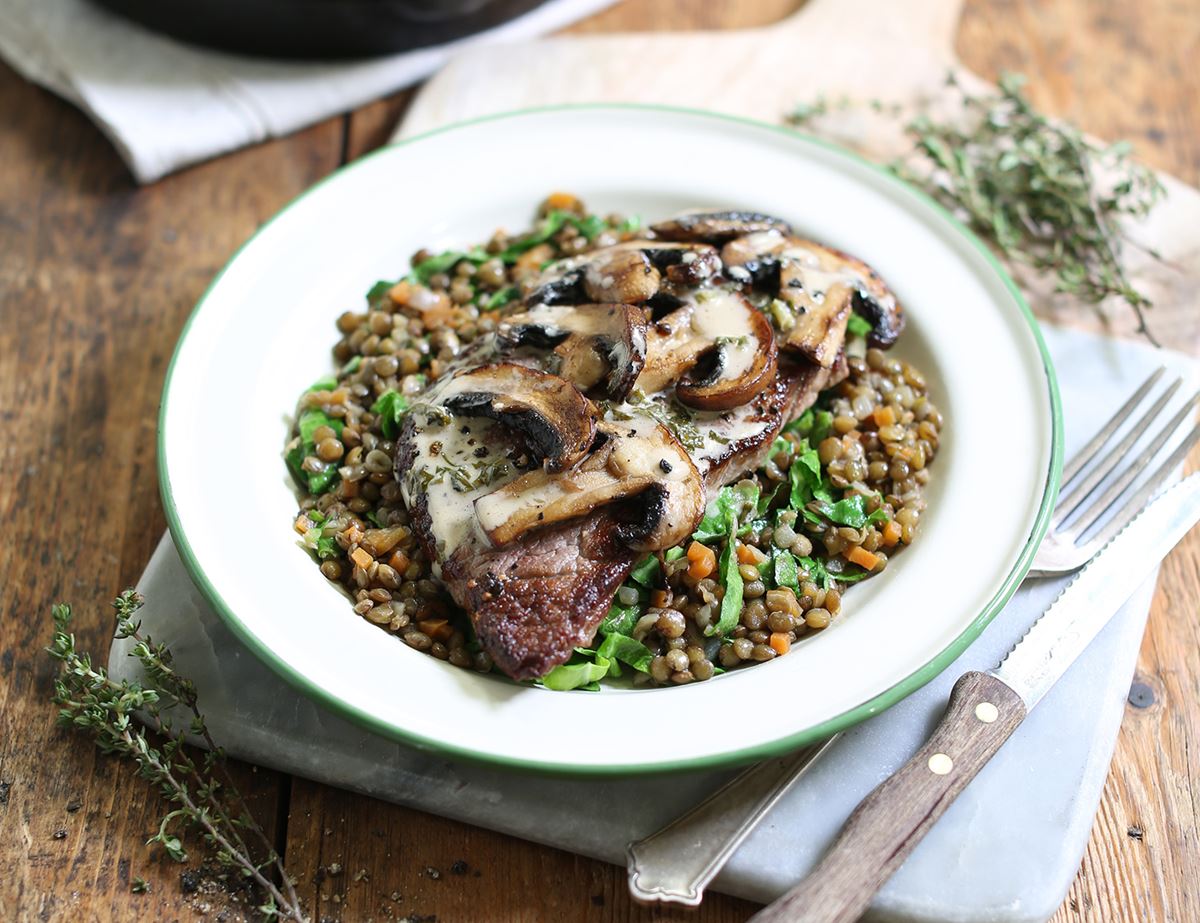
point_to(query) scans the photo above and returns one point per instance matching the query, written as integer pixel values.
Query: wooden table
(96, 278)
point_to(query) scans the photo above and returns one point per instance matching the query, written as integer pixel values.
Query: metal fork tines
(1097, 477)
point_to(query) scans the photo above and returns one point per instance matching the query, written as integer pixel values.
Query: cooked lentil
(881, 433)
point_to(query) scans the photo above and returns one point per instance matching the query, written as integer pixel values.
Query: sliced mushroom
(734, 371)
(557, 422)
(618, 274)
(629, 272)
(879, 306)
(681, 263)
(671, 508)
(675, 343)
(672, 347)
(594, 342)
(818, 287)
(718, 227)
(640, 462)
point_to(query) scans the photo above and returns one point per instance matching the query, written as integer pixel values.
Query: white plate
(263, 333)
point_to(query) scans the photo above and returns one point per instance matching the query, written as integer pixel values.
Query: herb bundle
(1036, 188)
(203, 795)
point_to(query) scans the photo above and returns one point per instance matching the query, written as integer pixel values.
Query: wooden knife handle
(887, 824)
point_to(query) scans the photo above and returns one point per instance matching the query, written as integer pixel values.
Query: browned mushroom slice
(557, 422)
(672, 347)
(675, 343)
(629, 272)
(671, 508)
(718, 227)
(594, 342)
(624, 275)
(734, 371)
(640, 459)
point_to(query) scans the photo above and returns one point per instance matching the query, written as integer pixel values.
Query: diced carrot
(400, 292)
(562, 200)
(399, 562)
(302, 524)
(360, 557)
(884, 416)
(780, 643)
(703, 560)
(438, 316)
(891, 533)
(863, 558)
(438, 629)
(748, 554)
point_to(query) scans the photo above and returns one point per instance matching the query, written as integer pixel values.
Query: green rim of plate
(873, 706)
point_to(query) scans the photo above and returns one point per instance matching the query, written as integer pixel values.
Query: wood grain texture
(886, 826)
(96, 278)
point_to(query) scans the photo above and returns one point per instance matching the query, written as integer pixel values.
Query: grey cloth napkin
(1007, 850)
(165, 104)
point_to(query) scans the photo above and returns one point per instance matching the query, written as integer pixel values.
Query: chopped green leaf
(730, 504)
(674, 554)
(378, 292)
(822, 424)
(858, 326)
(645, 571)
(787, 574)
(351, 367)
(805, 477)
(803, 424)
(326, 383)
(500, 297)
(312, 420)
(327, 547)
(620, 619)
(731, 579)
(577, 672)
(816, 572)
(627, 650)
(309, 422)
(850, 511)
(390, 407)
(442, 262)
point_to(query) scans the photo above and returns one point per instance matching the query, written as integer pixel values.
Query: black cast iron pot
(319, 28)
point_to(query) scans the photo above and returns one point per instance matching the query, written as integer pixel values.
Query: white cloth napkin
(165, 104)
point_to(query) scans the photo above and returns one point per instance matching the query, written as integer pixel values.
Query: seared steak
(534, 600)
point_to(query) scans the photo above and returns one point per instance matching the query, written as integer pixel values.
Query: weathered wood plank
(96, 278)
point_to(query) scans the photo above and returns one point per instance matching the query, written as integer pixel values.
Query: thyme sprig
(202, 792)
(1035, 187)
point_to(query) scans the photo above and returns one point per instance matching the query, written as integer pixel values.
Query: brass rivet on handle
(940, 764)
(986, 712)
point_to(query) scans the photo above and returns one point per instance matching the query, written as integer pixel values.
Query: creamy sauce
(450, 458)
(458, 460)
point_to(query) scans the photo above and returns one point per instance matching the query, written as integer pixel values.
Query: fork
(676, 863)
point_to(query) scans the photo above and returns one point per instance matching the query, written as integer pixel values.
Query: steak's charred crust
(535, 601)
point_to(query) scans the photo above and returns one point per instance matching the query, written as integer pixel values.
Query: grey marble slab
(1007, 850)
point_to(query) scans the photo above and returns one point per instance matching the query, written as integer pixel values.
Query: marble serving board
(1007, 850)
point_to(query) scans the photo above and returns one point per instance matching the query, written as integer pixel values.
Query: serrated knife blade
(1085, 606)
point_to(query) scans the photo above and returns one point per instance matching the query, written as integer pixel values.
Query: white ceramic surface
(263, 332)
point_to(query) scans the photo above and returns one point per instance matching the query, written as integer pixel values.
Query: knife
(983, 711)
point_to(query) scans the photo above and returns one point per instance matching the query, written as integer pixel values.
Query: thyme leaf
(1030, 185)
(199, 788)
